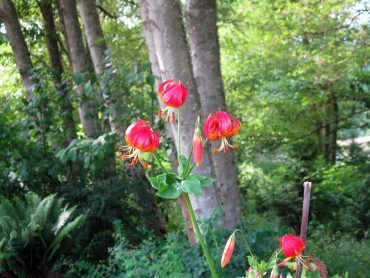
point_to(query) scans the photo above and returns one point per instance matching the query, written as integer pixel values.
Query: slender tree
(97, 47)
(57, 69)
(87, 109)
(201, 19)
(23, 61)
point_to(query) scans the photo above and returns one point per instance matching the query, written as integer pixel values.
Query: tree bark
(201, 19)
(87, 110)
(97, 48)
(57, 70)
(23, 61)
(168, 52)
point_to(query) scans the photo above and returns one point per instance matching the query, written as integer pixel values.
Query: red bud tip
(228, 251)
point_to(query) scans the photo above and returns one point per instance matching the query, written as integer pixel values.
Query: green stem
(159, 162)
(186, 172)
(245, 241)
(200, 237)
(178, 134)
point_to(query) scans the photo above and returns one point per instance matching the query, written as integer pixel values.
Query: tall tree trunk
(57, 70)
(87, 110)
(201, 18)
(97, 47)
(14, 33)
(168, 51)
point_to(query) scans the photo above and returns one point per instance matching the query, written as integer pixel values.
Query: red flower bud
(228, 251)
(197, 147)
(197, 144)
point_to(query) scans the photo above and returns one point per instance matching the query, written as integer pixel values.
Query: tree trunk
(23, 61)
(97, 48)
(87, 110)
(168, 52)
(57, 70)
(201, 18)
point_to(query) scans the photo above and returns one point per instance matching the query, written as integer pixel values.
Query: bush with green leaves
(34, 234)
(340, 252)
(173, 256)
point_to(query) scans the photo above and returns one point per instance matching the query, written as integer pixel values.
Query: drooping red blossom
(173, 94)
(221, 125)
(292, 247)
(228, 251)
(139, 138)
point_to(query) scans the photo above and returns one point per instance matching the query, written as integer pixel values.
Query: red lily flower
(221, 125)
(292, 247)
(139, 138)
(173, 94)
(228, 251)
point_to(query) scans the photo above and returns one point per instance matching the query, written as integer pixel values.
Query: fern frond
(7, 209)
(63, 233)
(63, 218)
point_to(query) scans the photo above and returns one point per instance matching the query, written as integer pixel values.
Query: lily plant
(141, 138)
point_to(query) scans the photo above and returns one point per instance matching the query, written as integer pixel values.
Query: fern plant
(34, 233)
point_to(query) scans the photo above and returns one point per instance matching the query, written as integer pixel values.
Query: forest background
(74, 75)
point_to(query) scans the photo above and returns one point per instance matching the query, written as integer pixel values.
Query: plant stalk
(200, 237)
(178, 134)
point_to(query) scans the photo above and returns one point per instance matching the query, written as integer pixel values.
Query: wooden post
(305, 211)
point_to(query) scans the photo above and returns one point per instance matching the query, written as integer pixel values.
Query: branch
(325, 124)
(106, 12)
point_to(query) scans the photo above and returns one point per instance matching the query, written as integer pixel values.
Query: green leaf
(182, 165)
(86, 162)
(150, 80)
(61, 154)
(99, 40)
(158, 180)
(78, 78)
(192, 185)
(72, 155)
(252, 262)
(204, 181)
(169, 192)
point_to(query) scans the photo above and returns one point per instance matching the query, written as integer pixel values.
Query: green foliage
(155, 257)
(341, 253)
(344, 193)
(173, 256)
(35, 233)
(171, 186)
(91, 153)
